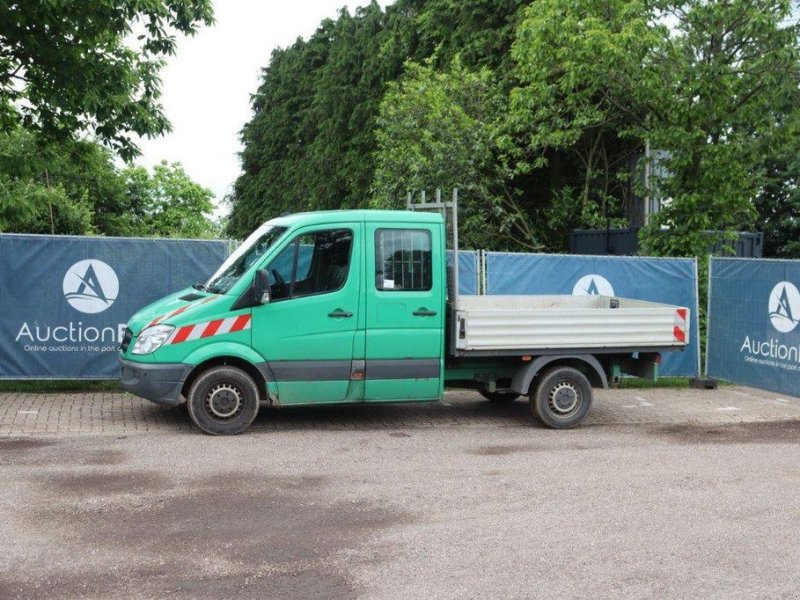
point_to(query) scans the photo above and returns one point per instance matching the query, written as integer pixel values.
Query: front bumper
(159, 383)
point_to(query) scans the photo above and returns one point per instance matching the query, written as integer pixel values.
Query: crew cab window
(313, 263)
(403, 260)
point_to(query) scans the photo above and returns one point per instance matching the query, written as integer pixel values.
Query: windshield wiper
(199, 286)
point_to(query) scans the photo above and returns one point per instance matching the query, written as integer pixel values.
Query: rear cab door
(405, 307)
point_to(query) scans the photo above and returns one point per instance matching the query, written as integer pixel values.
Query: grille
(126, 340)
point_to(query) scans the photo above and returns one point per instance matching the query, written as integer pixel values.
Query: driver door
(307, 331)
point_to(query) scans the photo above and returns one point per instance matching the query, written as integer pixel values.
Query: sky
(207, 84)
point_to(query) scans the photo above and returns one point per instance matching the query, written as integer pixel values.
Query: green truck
(353, 307)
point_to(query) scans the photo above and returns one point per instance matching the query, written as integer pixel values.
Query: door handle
(424, 312)
(340, 314)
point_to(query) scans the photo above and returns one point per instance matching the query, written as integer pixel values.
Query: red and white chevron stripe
(187, 333)
(679, 327)
(180, 310)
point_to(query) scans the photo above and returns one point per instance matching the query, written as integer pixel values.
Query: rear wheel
(562, 398)
(223, 401)
(500, 395)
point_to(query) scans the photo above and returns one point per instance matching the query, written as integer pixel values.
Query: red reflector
(526, 358)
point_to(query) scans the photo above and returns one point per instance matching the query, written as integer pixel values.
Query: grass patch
(636, 383)
(57, 386)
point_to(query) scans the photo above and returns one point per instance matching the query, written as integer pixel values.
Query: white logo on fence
(593, 285)
(90, 286)
(784, 307)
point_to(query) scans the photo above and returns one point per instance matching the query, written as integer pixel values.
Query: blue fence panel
(64, 301)
(753, 333)
(467, 271)
(668, 280)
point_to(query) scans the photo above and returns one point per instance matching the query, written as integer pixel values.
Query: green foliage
(599, 78)
(36, 208)
(778, 200)
(73, 67)
(165, 204)
(311, 143)
(568, 210)
(438, 129)
(728, 67)
(479, 32)
(778, 206)
(74, 188)
(68, 69)
(540, 113)
(52, 188)
(579, 64)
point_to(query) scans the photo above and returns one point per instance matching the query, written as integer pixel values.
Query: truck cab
(336, 307)
(327, 307)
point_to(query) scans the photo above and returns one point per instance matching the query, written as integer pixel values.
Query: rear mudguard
(521, 382)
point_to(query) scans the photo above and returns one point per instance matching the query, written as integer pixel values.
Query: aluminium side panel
(504, 323)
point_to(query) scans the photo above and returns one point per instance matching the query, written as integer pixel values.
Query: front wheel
(223, 401)
(562, 398)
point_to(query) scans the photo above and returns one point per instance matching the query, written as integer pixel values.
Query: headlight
(151, 339)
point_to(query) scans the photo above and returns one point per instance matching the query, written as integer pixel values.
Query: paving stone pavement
(119, 413)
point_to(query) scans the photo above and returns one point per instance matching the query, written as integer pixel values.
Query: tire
(223, 401)
(562, 398)
(499, 396)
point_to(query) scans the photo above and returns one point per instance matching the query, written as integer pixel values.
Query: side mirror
(261, 288)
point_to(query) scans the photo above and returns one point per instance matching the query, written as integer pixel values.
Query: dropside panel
(498, 323)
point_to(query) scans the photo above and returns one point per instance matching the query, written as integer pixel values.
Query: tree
(73, 187)
(479, 32)
(68, 68)
(702, 81)
(582, 97)
(309, 145)
(726, 71)
(165, 204)
(59, 187)
(311, 142)
(778, 201)
(778, 206)
(373, 101)
(439, 130)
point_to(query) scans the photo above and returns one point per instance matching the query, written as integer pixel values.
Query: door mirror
(261, 288)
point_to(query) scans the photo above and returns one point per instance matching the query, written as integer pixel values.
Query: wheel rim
(224, 402)
(564, 398)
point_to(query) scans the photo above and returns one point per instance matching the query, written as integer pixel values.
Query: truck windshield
(237, 264)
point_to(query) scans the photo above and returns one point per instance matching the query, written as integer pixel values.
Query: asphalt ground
(661, 493)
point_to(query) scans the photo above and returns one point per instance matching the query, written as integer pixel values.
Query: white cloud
(208, 83)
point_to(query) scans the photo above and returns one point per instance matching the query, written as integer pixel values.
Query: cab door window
(313, 263)
(403, 260)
